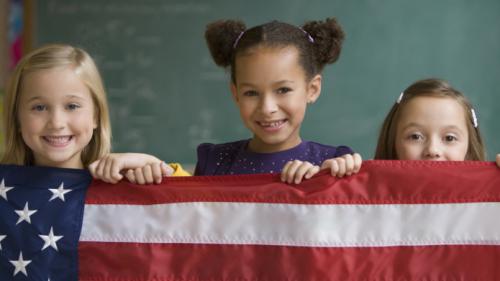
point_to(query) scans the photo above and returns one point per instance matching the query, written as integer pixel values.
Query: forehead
(433, 110)
(265, 61)
(54, 82)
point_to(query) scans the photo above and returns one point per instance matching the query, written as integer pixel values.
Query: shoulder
(327, 151)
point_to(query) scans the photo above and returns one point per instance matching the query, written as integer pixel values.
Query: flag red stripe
(134, 261)
(379, 182)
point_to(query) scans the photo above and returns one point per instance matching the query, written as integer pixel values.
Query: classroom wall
(4, 58)
(167, 95)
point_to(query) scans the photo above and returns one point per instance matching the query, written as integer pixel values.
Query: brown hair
(386, 146)
(50, 57)
(318, 42)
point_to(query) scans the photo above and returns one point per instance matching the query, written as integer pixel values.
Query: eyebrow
(247, 84)
(413, 124)
(71, 96)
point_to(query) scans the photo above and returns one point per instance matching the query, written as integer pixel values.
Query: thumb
(166, 170)
(93, 166)
(326, 164)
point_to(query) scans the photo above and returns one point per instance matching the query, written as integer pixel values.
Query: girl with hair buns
(275, 74)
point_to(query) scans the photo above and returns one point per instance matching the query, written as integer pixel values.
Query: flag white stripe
(294, 224)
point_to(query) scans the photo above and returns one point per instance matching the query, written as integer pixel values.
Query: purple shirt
(234, 158)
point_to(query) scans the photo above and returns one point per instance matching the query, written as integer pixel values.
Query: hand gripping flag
(394, 220)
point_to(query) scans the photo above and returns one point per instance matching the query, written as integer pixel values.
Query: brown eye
(415, 137)
(250, 93)
(283, 90)
(38, 107)
(450, 138)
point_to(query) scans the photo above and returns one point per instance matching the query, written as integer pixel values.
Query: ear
(314, 89)
(234, 92)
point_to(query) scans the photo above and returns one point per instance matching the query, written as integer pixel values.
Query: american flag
(394, 220)
(41, 213)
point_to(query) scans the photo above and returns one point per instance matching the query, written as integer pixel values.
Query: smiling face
(56, 117)
(432, 128)
(272, 94)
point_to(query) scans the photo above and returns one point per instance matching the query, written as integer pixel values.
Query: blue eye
(39, 107)
(283, 90)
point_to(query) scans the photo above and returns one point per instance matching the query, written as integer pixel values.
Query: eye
(283, 90)
(72, 106)
(250, 93)
(38, 107)
(415, 137)
(450, 138)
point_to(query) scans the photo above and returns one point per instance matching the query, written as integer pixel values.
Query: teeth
(271, 124)
(57, 139)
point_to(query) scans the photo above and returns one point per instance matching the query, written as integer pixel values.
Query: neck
(257, 145)
(77, 164)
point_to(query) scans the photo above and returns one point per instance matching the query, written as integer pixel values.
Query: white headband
(474, 117)
(400, 97)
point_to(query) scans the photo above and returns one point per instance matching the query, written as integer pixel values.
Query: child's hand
(498, 160)
(150, 173)
(139, 168)
(294, 171)
(345, 165)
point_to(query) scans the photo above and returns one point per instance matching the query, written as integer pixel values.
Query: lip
(58, 141)
(272, 126)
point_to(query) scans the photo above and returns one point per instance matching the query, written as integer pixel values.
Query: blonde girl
(55, 110)
(56, 114)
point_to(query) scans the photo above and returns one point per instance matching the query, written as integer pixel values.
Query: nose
(57, 119)
(433, 150)
(268, 104)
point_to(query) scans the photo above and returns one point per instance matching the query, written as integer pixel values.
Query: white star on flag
(20, 265)
(59, 192)
(24, 215)
(4, 189)
(2, 237)
(50, 239)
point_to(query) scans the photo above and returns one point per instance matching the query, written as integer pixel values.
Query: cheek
(462, 152)
(400, 151)
(30, 130)
(296, 109)
(29, 124)
(247, 108)
(404, 151)
(84, 122)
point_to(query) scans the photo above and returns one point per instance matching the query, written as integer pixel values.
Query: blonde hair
(45, 58)
(386, 146)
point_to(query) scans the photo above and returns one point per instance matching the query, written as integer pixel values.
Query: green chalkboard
(167, 96)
